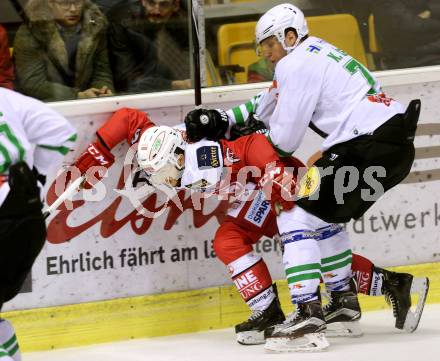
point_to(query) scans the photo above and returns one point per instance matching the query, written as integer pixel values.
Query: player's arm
(52, 134)
(125, 124)
(297, 100)
(277, 183)
(215, 124)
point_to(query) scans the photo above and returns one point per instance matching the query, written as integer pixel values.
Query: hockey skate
(342, 314)
(397, 288)
(251, 332)
(302, 332)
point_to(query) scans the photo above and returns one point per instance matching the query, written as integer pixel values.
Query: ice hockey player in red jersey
(168, 159)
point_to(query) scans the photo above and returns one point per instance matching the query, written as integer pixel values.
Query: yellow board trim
(159, 315)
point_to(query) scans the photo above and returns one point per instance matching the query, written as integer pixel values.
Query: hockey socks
(9, 349)
(368, 277)
(253, 281)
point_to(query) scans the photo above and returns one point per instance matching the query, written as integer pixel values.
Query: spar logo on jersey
(258, 211)
(208, 157)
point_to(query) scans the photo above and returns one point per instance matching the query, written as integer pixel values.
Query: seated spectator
(6, 66)
(149, 46)
(61, 53)
(261, 70)
(408, 32)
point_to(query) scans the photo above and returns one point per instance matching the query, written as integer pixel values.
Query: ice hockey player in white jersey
(33, 140)
(319, 86)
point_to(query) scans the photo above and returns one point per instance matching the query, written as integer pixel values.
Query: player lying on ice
(164, 154)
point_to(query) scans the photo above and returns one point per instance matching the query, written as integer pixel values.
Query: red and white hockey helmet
(157, 153)
(277, 20)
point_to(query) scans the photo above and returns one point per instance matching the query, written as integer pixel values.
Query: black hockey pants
(22, 230)
(349, 183)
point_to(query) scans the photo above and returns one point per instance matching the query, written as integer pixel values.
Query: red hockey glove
(98, 156)
(279, 186)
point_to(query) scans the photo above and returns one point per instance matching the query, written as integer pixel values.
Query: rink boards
(106, 273)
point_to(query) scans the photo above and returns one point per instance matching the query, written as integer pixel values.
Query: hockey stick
(66, 195)
(196, 53)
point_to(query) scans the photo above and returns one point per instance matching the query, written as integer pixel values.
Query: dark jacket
(6, 66)
(41, 58)
(406, 39)
(137, 61)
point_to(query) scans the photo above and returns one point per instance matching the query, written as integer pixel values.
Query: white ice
(381, 341)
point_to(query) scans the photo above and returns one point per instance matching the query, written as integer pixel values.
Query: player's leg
(9, 349)
(397, 288)
(22, 235)
(342, 311)
(302, 262)
(249, 272)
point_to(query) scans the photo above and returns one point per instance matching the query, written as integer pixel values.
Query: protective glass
(67, 4)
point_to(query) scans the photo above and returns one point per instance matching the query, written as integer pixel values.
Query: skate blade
(251, 338)
(344, 329)
(311, 342)
(419, 286)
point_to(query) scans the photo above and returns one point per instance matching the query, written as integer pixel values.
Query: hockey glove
(279, 186)
(206, 123)
(97, 156)
(253, 125)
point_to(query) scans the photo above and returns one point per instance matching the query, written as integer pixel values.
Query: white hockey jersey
(32, 132)
(320, 86)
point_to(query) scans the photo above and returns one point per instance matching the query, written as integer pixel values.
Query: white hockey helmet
(157, 153)
(277, 20)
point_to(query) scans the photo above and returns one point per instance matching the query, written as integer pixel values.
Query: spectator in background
(107, 5)
(61, 53)
(6, 66)
(408, 32)
(149, 46)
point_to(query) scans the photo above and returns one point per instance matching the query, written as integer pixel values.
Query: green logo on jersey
(8, 135)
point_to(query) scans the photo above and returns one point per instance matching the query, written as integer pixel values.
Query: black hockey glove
(253, 125)
(206, 123)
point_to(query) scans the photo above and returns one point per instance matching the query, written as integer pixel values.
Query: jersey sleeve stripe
(73, 138)
(63, 150)
(238, 115)
(249, 107)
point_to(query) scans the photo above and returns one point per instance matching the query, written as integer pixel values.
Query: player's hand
(206, 123)
(253, 125)
(93, 163)
(279, 188)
